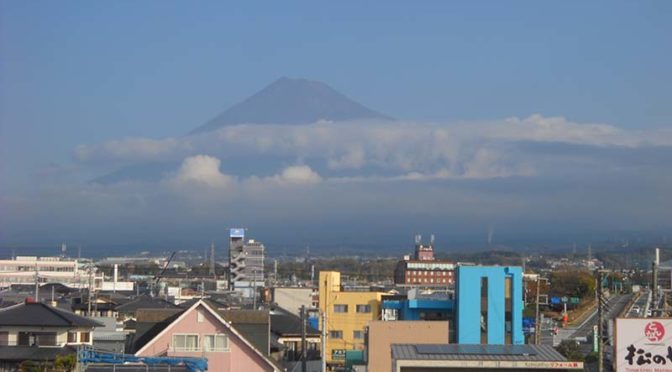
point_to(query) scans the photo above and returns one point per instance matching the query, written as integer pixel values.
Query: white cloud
(201, 170)
(399, 150)
(298, 174)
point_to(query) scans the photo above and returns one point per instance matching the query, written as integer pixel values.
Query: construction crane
(157, 277)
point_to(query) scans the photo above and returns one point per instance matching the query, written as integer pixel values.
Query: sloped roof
(145, 302)
(285, 323)
(42, 315)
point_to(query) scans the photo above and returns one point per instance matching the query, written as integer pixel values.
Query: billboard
(643, 344)
(236, 233)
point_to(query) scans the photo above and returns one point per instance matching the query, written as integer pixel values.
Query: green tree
(570, 350)
(65, 363)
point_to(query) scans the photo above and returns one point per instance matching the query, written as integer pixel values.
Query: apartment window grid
(358, 335)
(337, 335)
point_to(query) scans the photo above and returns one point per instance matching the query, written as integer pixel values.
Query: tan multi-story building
(348, 313)
(383, 334)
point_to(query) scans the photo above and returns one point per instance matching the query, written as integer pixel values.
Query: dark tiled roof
(42, 315)
(155, 315)
(146, 331)
(145, 302)
(285, 323)
(245, 316)
(21, 353)
(536, 353)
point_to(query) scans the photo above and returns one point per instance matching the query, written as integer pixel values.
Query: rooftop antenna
(431, 240)
(590, 252)
(64, 249)
(418, 239)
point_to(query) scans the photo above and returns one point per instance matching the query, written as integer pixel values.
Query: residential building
(381, 336)
(201, 331)
(459, 358)
(39, 332)
(348, 313)
(286, 330)
(489, 305)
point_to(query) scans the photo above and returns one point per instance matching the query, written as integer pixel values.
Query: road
(640, 305)
(615, 306)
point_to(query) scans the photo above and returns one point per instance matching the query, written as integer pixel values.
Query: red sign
(654, 331)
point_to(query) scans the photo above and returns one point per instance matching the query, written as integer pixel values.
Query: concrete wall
(383, 334)
(291, 299)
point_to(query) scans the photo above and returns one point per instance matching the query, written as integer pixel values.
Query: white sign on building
(643, 345)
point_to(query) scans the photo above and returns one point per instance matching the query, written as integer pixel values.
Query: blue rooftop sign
(237, 233)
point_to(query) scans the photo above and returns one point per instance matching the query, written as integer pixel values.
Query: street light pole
(537, 321)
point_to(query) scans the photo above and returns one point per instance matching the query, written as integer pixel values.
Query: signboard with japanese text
(338, 354)
(643, 345)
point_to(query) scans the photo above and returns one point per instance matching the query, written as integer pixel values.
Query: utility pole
(254, 287)
(600, 321)
(37, 285)
(303, 339)
(324, 340)
(537, 320)
(654, 279)
(89, 294)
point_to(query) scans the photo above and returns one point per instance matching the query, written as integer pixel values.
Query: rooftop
(484, 352)
(42, 315)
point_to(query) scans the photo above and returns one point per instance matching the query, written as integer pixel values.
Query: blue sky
(83, 73)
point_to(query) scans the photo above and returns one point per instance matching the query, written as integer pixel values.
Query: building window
(363, 308)
(4, 338)
(336, 334)
(484, 310)
(340, 308)
(358, 335)
(185, 343)
(72, 337)
(84, 336)
(216, 342)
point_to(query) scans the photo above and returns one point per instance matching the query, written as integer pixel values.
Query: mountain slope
(292, 101)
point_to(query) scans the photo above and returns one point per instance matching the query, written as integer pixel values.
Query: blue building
(434, 305)
(489, 306)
